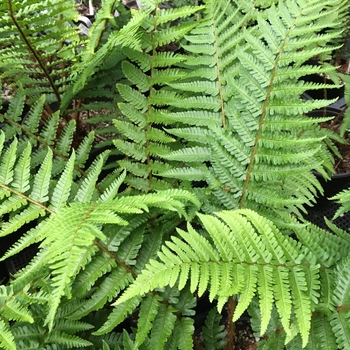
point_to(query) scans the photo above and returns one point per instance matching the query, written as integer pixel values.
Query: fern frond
(343, 198)
(148, 312)
(100, 265)
(247, 91)
(68, 340)
(118, 315)
(248, 239)
(150, 248)
(321, 334)
(38, 28)
(213, 333)
(128, 36)
(6, 338)
(223, 119)
(187, 173)
(183, 331)
(163, 326)
(143, 140)
(12, 309)
(194, 154)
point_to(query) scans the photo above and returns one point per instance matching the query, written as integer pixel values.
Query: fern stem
(151, 91)
(33, 51)
(112, 256)
(39, 140)
(20, 194)
(231, 326)
(263, 112)
(219, 80)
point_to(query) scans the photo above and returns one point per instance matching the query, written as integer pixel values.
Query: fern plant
(205, 195)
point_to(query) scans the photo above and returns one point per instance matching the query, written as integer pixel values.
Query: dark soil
(342, 166)
(245, 339)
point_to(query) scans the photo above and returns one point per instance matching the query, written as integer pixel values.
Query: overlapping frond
(67, 221)
(43, 133)
(37, 42)
(141, 126)
(244, 104)
(244, 244)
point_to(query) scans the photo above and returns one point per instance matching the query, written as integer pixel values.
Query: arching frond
(247, 95)
(244, 239)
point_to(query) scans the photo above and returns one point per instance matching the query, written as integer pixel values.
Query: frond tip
(249, 256)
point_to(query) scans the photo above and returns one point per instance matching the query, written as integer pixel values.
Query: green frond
(62, 189)
(131, 131)
(100, 265)
(321, 335)
(7, 340)
(149, 250)
(247, 293)
(340, 293)
(69, 326)
(183, 331)
(302, 303)
(343, 198)
(133, 114)
(7, 162)
(204, 87)
(144, 139)
(12, 309)
(33, 28)
(135, 98)
(136, 76)
(48, 134)
(194, 154)
(167, 59)
(329, 248)
(180, 261)
(194, 134)
(112, 190)
(68, 340)
(141, 170)
(129, 248)
(213, 332)
(164, 98)
(163, 326)
(128, 36)
(148, 312)
(22, 171)
(172, 34)
(87, 189)
(32, 121)
(42, 180)
(144, 185)
(118, 315)
(339, 322)
(28, 214)
(186, 173)
(130, 149)
(168, 15)
(256, 74)
(64, 142)
(166, 75)
(199, 102)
